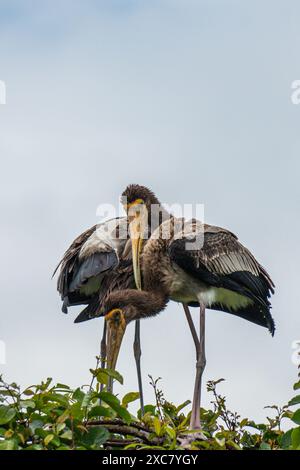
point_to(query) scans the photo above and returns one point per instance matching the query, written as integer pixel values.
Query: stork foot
(185, 440)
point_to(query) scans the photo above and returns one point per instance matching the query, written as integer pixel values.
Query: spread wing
(67, 265)
(90, 258)
(223, 262)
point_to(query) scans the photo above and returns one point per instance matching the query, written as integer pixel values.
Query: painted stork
(97, 263)
(170, 264)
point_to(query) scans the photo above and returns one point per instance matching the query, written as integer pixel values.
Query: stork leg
(103, 346)
(200, 366)
(103, 351)
(137, 355)
(200, 363)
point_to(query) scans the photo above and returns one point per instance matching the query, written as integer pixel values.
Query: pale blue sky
(191, 98)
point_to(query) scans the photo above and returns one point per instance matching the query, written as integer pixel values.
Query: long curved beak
(137, 229)
(116, 326)
(136, 250)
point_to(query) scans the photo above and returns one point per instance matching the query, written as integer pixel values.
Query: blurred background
(191, 98)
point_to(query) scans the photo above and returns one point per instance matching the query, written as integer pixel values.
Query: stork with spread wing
(192, 263)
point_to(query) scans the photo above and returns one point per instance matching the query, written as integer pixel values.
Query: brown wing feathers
(224, 255)
(90, 278)
(224, 262)
(69, 259)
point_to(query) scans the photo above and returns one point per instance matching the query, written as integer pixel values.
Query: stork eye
(135, 204)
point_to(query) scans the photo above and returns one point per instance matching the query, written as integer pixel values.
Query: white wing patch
(104, 238)
(230, 299)
(224, 297)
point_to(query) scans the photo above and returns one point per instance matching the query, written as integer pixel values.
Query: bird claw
(186, 440)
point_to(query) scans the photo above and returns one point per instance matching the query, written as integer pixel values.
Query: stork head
(145, 214)
(118, 311)
(116, 326)
(136, 194)
(121, 308)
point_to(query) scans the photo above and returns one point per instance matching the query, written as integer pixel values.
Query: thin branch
(124, 429)
(116, 421)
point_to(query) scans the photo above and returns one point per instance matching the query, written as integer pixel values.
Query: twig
(121, 442)
(116, 421)
(118, 427)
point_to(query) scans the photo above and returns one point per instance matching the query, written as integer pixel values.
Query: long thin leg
(103, 346)
(192, 328)
(137, 355)
(200, 366)
(103, 350)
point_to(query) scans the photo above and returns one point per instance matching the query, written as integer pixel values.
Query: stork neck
(157, 214)
(139, 304)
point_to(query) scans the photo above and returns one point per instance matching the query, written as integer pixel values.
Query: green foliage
(52, 416)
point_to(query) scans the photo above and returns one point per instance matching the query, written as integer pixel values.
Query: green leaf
(48, 439)
(220, 441)
(62, 386)
(103, 375)
(67, 435)
(115, 375)
(8, 393)
(27, 404)
(123, 413)
(265, 446)
(60, 399)
(55, 441)
(294, 401)
(114, 403)
(41, 433)
(259, 426)
(234, 445)
(86, 400)
(63, 417)
(9, 444)
(296, 417)
(296, 385)
(6, 414)
(95, 436)
(78, 395)
(295, 437)
(109, 398)
(76, 411)
(35, 447)
(102, 378)
(244, 422)
(147, 409)
(15, 386)
(60, 427)
(99, 411)
(286, 439)
(45, 385)
(183, 405)
(157, 426)
(132, 446)
(130, 397)
(171, 432)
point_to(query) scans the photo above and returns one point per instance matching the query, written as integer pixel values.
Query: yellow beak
(116, 326)
(138, 225)
(136, 250)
